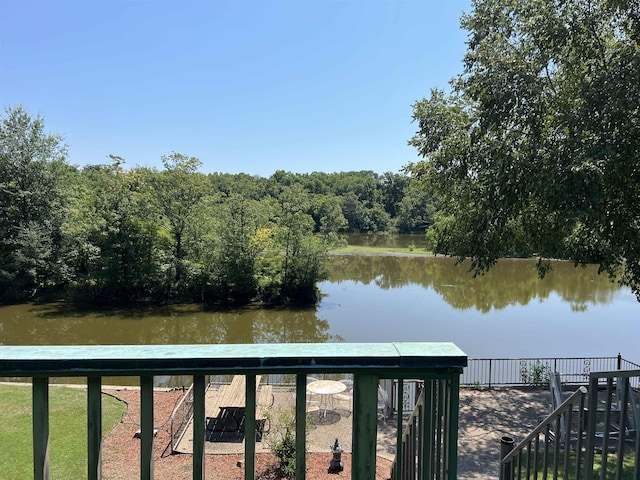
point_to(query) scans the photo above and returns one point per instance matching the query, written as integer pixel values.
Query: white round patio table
(326, 388)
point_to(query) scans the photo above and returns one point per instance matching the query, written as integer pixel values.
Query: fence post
(363, 456)
(94, 428)
(40, 408)
(490, 363)
(199, 428)
(301, 424)
(250, 427)
(619, 361)
(146, 427)
(506, 470)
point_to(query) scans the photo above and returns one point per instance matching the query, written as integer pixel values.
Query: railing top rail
(83, 360)
(615, 374)
(629, 363)
(543, 358)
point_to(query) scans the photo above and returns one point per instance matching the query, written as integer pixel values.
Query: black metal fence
(489, 372)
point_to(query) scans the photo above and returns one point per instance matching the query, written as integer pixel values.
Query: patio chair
(346, 396)
(383, 404)
(633, 409)
(313, 400)
(557, 398)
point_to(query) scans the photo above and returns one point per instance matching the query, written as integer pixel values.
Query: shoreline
(399, 252)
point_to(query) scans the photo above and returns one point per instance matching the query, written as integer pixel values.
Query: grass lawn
(380, 250)
(67, 430)
(626, 474)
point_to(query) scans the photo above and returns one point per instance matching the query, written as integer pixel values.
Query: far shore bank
(406, 252)
(399, 252)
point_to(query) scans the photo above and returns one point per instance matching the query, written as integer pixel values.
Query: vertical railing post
(440, 440)
(426, 429)
(94, 428)
(250, 428)
(591, 426)
(399, 451)
(490, 365)
(301, 424)
(619, 361)
(146, 427)
(623, 406)
(199, 428)
(365, 421)
(40, 405)
(506, 469)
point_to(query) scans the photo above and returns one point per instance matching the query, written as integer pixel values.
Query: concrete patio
(486, 415)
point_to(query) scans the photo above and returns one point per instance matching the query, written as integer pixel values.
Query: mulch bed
(121, 450)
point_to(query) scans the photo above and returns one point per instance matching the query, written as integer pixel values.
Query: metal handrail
(549, 420)
(625, 364)
(178, 431)
(557, 421)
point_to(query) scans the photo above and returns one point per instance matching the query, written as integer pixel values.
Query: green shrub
(537, 374)
(285, 450)
(281, 439)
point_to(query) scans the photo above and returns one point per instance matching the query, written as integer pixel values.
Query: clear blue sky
(245, 86)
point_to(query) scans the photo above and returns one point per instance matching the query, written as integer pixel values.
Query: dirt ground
(486, 415)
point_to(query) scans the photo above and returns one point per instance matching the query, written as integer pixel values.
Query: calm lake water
(508, 312)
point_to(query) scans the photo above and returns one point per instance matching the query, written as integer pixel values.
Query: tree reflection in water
(510, 282)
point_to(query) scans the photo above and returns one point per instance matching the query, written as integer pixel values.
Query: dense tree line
(358, 201)
(106, 233)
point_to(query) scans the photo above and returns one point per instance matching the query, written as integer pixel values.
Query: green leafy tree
(380, 219)
(31, 204)
(393, 186)
(249, 186)
(356, 213)
(117, 237)
(416, 209)
(538, 143)
(302, 256)
(327, 215)
(277, 182)
(178, 189)
(82, 221)
(364, 185)
(243, 235)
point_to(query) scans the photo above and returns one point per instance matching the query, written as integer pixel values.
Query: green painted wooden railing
(424, 447)
(593, 434)
(368, 362)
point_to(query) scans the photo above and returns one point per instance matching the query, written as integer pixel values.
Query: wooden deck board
(228, 396)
